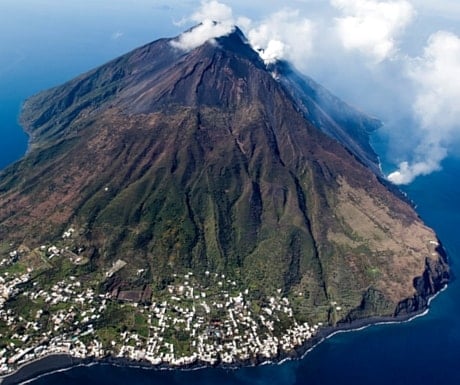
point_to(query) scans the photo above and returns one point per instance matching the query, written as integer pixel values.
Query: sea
(425, 350)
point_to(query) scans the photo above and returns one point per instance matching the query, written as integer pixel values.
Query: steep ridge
(330, 114)
(205, 161)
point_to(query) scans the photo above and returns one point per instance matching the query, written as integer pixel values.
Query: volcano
(166, 162)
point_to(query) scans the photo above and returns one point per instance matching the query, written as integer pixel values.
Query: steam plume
(437, 78)
(283, 35)
(395, 83)
(216, 19)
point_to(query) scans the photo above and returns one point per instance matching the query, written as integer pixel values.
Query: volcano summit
(200, 207)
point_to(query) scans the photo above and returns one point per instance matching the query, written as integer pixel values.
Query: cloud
(436, 76)
(406, 172)
(214, 11)
(215, 19)
(414, 93)
(283, 35)
(372, 26)
(117, 35)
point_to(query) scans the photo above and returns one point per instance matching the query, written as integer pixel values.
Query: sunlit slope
(206, 161)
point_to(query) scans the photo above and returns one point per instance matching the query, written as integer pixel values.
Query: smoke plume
(436, 76)
(283, 35)
(215, 19)
(372, 54)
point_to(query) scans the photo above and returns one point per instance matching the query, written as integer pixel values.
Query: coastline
(41, 366)
(54, 363)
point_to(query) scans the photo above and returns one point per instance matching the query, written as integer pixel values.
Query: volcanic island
(194, 208)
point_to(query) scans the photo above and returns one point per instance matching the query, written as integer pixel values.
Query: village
(188, 324)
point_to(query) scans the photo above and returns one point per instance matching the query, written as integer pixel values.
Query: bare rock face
(209, 161)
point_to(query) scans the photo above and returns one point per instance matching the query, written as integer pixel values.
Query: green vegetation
(188, 210)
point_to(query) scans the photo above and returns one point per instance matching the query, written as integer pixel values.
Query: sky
(397, 60)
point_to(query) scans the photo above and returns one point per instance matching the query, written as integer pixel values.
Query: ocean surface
(423, 351)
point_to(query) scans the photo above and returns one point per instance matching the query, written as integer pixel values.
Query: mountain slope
(204, 161)
(331, 115)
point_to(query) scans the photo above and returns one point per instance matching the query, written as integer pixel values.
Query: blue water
(424, 351)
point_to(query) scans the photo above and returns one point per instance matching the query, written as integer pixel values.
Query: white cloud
(117, 35)
(215, 19)
(406, 172)
(214, 11)
(372, 26)
(285, 34)
(244, 23)
(378, 29)
(436, 76)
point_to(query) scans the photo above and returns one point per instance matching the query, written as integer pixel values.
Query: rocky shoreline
(432, 282)
(56, 362)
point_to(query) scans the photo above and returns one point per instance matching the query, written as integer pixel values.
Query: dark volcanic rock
(434, 278)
